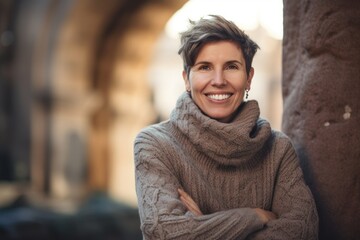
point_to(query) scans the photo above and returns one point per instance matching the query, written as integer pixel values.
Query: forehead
(220, 50)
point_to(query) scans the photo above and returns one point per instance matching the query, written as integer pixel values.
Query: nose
(218, 79)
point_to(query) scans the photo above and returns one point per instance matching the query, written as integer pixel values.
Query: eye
(232, 66)
(204, 67)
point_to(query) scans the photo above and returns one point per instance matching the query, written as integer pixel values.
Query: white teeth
(219, 96)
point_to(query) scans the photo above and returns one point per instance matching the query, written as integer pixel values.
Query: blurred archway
(78, 92)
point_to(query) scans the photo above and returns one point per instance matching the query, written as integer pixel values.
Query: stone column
(321, 90)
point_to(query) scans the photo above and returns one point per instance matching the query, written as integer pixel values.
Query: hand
(265, 216)
(189, 203)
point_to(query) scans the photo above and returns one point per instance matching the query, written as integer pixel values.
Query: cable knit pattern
(228, 169)
(241, 143)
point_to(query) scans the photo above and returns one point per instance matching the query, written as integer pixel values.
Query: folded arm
(192, 206)
(164, 216)
(293, 203)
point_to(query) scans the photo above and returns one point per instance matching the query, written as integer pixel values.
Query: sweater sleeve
(293, 203)
(162, 214)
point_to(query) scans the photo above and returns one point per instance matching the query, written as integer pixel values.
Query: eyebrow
(228, 62)
(234, 61)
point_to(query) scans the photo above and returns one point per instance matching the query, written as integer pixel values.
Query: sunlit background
(260, 19)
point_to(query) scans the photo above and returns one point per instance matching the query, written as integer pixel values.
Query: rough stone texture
(321, 89)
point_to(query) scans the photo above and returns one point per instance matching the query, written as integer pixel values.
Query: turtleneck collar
(229, 144)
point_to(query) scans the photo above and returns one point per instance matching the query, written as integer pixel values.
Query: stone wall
(321, 89)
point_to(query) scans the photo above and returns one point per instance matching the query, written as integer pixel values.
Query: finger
(191, 207)
(189, 202)
(187, 197)
(183, 193)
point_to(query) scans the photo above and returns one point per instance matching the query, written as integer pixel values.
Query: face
(218, 80)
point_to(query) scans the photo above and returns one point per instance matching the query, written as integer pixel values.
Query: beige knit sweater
(228, 169)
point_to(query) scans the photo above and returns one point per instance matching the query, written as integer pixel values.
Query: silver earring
(246, 93)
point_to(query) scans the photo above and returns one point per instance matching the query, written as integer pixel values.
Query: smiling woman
(218, 80)
(215, 169)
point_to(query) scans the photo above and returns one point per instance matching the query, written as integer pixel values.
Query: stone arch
(87, 73)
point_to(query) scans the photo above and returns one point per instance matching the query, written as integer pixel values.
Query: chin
(220, 117)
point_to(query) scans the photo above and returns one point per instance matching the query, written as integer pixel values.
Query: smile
(218, 96)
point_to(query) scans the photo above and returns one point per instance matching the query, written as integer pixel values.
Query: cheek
(194, 82)
(238, 81)
(199, 81)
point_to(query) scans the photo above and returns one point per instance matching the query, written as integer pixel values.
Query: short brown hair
(210, 29)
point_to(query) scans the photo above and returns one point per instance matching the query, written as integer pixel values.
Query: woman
(215, 170)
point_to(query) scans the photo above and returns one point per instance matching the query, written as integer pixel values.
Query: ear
(186, 80)
(250, 76)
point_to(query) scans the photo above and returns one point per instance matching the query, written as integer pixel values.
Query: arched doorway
(80, 70)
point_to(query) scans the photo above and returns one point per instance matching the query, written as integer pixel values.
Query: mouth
(219, 97)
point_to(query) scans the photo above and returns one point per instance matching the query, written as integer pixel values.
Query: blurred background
(78, 80)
